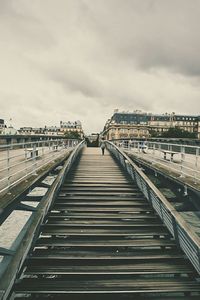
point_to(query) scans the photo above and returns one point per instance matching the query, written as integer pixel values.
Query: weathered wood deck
(102, 237)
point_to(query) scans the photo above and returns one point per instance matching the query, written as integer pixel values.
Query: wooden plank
(102, 237)
(63, 196)
(62, 230)
(125, 217)
(97, 189)
(61, 242)
(133, 255)
(101, 214)
(98, 184)
(57, 267)
(82, 209)
(103, 194)
(101, 202)
(135, 286)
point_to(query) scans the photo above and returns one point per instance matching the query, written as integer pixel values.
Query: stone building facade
(70, 126)
(142, 125)
(2, 126)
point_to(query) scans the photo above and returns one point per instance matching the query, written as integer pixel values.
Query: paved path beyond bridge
(102, 237)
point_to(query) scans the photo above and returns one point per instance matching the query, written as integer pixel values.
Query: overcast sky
(81, 59)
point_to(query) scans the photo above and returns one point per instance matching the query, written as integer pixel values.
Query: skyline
(77, 60)
(116, 111)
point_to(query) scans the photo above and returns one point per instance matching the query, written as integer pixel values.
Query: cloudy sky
(81, 59)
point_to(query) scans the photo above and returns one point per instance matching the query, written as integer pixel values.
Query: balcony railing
(18, 161)
(184, 236)
(184, 160)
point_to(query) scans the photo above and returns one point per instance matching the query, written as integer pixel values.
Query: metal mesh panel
(137, 179)
(144, 188)
(189, 247)
(167, 219)
(156, 204)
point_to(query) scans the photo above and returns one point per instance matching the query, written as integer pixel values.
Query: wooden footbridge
(103, 231)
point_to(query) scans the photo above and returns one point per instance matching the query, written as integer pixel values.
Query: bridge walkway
(102, 237)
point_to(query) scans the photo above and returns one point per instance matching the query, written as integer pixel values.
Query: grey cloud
(153, 34)
(26, 29)
(81, 59)
(76, 81)
(105, 90)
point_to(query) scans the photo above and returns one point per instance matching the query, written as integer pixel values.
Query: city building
(2, 126)
(48, 130)
(52, 130)
(9, 131)
(65, 127)
(127, 125)
(26, 130)
(164, 122)
(68, 127)
(138, 124)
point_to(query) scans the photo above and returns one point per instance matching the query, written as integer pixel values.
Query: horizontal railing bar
(168, 214)
(158, 152)
(36, 142)
(22, 245)
(157, 143)
(49, 150)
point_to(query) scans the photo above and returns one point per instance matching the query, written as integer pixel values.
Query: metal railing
(182, 159)
(14, 257)
(18, 161)
(180, 230)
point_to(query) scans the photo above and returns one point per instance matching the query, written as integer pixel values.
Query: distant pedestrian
(103, 146)
(143, 146)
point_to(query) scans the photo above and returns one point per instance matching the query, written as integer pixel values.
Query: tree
(72, 135)
(176, 132)
(153, 133)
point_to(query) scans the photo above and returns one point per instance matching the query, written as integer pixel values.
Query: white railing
(18, 161)
(182, 159)
(187, 239)
(14, 256)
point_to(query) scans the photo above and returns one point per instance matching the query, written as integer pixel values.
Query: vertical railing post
(53, 147)
(43, 152)
(182, 159)
(159, 149)
(8, 168)
(154, 153)
(196, 165)
(64, 145)
(34, 158)
(154, 149)
(26, 159)
(170, 149)
(138, 146)
(135, 146)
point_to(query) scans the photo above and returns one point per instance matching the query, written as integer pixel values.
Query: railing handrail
(157, 143)
(177, 217)
(189, 156)
(12, 262)
(171, 144)
(24, 166)
(35, 142)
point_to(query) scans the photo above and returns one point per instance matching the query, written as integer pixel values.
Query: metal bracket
(4, 251)
(25, 207)
(43, 185)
